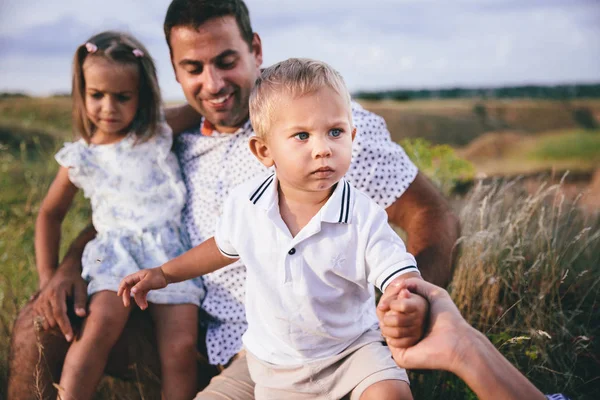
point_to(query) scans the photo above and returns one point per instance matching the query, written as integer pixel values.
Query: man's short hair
(193, 13)
(295, 77)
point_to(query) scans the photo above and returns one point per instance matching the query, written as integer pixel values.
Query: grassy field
(528, 274)
(458, 122)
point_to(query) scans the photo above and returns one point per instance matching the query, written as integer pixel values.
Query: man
(216, 58)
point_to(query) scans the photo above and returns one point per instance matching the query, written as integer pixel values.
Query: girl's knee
(388, 389)
(179, 348)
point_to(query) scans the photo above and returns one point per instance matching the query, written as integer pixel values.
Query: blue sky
(375, 44)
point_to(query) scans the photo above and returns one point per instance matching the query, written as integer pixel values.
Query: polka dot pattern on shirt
(213, 165)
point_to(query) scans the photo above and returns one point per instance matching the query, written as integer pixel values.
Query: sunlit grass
(580, 145)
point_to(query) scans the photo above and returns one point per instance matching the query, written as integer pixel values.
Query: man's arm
(182, 118)
(432, 229)
(451, 344)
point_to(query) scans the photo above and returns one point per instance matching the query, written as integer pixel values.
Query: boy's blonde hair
(296, 77)
(123, 49)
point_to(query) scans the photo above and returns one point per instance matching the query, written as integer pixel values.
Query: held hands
(404, 325)
(139, 284)
(445, 343)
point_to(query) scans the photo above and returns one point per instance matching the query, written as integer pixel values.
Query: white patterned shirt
(214, 164)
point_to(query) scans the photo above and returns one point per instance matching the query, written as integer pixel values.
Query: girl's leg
(176, 327)
(88, 354)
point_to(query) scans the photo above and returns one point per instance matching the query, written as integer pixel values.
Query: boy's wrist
(396, 281)
(165, 276)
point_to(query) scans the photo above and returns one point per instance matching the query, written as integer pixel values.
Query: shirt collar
(336, 210)
(208, 129)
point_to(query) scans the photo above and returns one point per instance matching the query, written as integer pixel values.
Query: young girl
(123, 163)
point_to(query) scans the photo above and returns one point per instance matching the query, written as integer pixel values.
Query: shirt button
(292, 251)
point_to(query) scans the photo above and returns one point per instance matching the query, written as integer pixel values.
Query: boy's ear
(353, 133)
(260, 149)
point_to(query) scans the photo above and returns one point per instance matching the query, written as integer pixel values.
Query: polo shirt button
(292, 251)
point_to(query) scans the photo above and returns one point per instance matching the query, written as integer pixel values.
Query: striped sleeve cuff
(392, 273)
(227, 251)
(228, 255)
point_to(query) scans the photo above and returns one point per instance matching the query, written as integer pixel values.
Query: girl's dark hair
(120, 48)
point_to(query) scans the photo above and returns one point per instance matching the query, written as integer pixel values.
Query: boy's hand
(140, 284)
(404, 326)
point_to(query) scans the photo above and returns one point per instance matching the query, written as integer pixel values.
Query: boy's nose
(321, 149)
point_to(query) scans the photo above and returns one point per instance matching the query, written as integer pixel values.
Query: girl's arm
(54, 207)
(182, 118)
(200, 260)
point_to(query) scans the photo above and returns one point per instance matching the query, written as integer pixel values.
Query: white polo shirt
(213, 164)
(310, 296)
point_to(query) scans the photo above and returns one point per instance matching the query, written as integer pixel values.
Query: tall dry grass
(529, 277)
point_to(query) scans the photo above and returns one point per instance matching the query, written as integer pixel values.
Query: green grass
(528, 275)
(582, 145)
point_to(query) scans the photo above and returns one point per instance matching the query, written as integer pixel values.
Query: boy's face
(216, 70)
(310, 140)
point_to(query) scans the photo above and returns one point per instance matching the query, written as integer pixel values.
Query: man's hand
(446, 340)
(140, 283)
(406, 322)
(50, 304)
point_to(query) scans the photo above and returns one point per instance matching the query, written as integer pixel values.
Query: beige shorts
(351, 372)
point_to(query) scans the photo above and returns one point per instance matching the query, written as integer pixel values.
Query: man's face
(216, 70)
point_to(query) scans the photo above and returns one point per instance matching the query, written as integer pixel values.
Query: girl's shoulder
(162, 138)
(71, 153)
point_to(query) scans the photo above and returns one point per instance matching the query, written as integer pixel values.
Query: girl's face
(111, 95)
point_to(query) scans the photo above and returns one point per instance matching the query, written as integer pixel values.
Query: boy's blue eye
(301, 136)
(335, 132)
(122, 98)
(97, 95)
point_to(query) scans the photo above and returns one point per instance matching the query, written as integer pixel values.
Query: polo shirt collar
(337, 209)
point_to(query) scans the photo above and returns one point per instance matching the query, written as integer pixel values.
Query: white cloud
(375, 44)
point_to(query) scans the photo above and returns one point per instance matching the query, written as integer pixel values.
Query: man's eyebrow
(195, 63)
(226, 53)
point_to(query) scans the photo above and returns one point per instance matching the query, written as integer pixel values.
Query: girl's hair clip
(138, 53)
(91, 47)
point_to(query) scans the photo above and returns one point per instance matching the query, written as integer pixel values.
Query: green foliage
(439, 162)
(581, 145)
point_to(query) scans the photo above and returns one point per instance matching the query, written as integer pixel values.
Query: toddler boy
(312, 244)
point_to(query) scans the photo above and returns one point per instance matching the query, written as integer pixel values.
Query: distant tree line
(558, 92)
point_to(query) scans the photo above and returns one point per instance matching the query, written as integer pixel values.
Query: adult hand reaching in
(451, 344)
(50, 303)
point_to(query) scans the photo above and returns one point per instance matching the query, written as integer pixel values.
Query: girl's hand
(139, 284)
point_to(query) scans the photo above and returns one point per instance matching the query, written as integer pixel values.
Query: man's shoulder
(358, 111)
